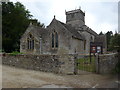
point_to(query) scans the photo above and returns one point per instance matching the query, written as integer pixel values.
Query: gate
(86, 64)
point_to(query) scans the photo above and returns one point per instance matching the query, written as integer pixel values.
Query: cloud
(100, 16)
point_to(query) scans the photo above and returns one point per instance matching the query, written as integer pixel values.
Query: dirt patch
(21, 78)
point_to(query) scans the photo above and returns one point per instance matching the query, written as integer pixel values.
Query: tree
(115, 45)
(15, 20)
(35, 22)
(115, 42)
(109, 35)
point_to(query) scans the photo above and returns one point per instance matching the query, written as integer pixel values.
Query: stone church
(61, 38)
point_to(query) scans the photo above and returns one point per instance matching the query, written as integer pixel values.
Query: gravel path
(21, 78)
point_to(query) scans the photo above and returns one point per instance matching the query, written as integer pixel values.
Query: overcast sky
(100, 16)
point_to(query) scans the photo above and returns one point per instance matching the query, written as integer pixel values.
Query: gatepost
(97, 63)
(75, 64)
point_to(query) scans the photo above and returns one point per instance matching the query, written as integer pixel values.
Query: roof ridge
(70, 29)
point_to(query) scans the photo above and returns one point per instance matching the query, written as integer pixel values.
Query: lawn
(84, 64)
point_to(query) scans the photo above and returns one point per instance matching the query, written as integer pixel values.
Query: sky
(99, 15)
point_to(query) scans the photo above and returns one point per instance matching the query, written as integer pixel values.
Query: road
(22, 78)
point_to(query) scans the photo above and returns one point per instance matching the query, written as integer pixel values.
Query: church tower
(76, 18)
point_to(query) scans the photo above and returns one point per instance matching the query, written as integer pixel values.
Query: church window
(84, 44)
(56, 45)
(30, 42)
(52, 40)
(55, 40)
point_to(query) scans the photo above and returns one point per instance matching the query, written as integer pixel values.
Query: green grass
(84, 64)
(15, 53)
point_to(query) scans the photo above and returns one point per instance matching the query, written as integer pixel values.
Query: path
(21, 78)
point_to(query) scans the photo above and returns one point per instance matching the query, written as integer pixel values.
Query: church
(72, 37)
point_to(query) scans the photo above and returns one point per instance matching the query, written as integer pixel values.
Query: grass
(15, 53)
(84, 64)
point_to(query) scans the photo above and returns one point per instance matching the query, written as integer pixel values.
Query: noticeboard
(96, 47)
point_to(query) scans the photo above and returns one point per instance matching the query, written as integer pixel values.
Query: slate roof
(73, 31)
(39, 31)
(89, 30)
(36, 31)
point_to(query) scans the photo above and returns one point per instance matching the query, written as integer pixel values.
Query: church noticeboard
(96, 47)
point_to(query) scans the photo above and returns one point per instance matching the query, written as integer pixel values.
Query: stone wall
(106, 63)
(48, 63)
(64, 64)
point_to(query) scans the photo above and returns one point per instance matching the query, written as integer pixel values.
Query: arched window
(84, 44)
(28, 46)
(55, 40)
(30, 42)
(52, 40)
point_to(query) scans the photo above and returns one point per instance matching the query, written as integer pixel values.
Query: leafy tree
(115, 42)
(109, 35)
(115, 45)
(35, 22)
(15, 20)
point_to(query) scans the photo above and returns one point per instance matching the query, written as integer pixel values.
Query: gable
(88, 30)
(55, 26)
(65, 28)
(36, 31)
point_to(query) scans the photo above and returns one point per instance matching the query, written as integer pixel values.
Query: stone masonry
(106, 63)
(48, 63)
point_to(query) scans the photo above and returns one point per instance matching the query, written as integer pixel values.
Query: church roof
(89, 30)
(35, 30)
(72, 30)
(39, 31)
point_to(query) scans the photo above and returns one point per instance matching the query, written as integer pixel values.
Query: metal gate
(86, 64)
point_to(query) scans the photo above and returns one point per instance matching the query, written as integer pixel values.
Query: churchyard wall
(47, 63)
